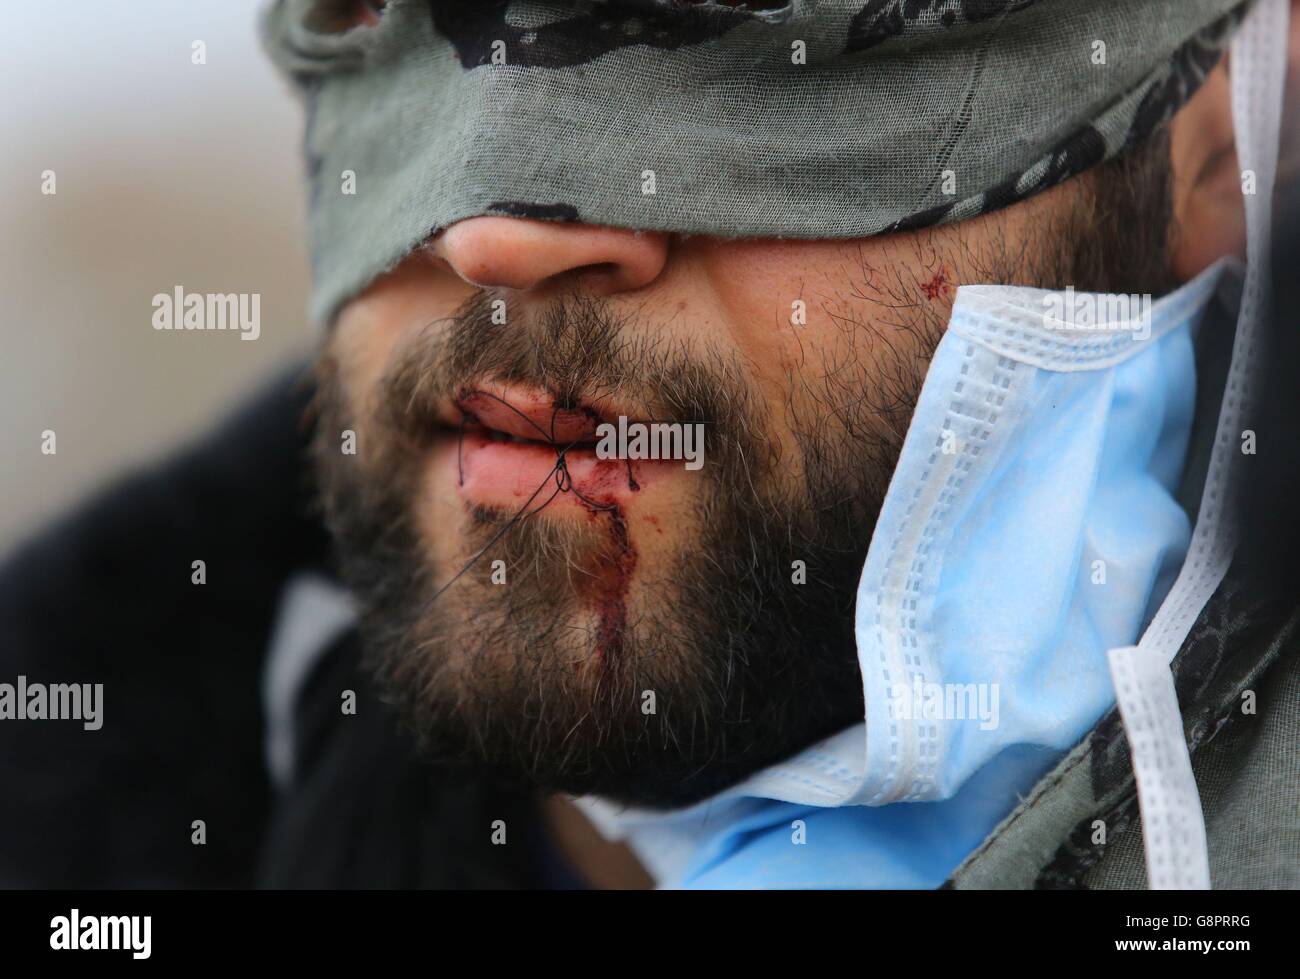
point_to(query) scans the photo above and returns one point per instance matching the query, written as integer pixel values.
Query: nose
(527, 254)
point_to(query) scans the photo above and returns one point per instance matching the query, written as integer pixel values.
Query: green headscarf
(803, 119)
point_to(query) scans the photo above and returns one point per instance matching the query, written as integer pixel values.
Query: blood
(937, 286)
(611, 593)
(596, 495)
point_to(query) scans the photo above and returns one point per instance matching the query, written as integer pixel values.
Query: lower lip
(492, 472)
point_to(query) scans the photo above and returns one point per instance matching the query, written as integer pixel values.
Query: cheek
(789, 302)
(369, 327)
(762, 283)
(361, 343)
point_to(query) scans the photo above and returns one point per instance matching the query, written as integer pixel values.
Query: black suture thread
(519, 515)
(550, 438)
(563, 484)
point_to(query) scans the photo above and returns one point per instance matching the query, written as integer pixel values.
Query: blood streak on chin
(611, 593)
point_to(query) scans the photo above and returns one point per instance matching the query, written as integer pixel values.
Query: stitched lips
(516, 447)
(530, 415)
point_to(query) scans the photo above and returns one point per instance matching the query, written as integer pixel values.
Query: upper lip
(526, 413)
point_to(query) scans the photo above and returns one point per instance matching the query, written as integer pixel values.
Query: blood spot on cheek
(937, 286)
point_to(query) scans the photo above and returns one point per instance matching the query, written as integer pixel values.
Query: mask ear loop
(1173, 824)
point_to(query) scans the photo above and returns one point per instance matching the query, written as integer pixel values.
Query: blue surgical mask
(1030, 526)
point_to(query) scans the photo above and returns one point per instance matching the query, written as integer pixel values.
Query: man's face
(640, 629)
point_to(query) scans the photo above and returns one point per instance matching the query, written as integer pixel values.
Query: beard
(739, 644)
(736, 648)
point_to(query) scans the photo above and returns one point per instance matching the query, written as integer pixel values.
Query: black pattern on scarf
(1082, 150)
(880, 20)
(473, 26)
(540, 212)
(1183, 75)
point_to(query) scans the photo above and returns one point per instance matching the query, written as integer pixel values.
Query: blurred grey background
(168, 173)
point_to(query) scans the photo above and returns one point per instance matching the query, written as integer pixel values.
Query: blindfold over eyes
(803, 118)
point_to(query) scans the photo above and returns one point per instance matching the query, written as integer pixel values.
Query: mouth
(516, 450)
(511, 446)
(518, 415)
(508, 452)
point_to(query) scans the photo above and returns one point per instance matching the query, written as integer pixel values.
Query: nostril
(600, 268)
